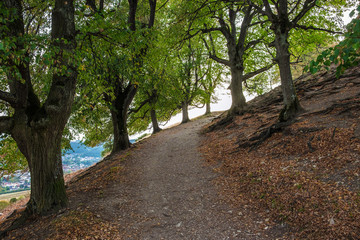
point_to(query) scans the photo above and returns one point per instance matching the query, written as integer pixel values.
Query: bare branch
(225, 29)
(208, 30)
(244, 28)
(152, 4)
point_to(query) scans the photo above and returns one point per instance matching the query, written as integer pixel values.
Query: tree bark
(154, 121)
(38, 129)
(121, 136)
(48, 192)
(119, 113)
(290, 99)
(185, 112)
(208, 110)
(238, 105)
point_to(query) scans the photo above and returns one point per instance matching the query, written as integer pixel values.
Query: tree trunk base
(290, 111)
(224, 121)
(237, 110)
(185, 121)
(157, 130)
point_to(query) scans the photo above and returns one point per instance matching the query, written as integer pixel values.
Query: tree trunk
(154, 121)
(208, 110)
(185, 112)
(238, 105)
(121, 136)
(119, 113)
(48, 192)
(37, 129)
(291, 102)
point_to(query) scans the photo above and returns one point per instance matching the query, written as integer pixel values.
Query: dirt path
(163, 190)
(172, 195)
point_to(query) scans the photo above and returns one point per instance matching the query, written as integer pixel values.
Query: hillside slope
(303, 175)
(158, 189)
(256, 179)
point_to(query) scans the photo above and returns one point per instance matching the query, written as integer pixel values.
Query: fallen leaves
(306, 175)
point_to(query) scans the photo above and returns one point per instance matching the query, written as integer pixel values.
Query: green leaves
(345, 54)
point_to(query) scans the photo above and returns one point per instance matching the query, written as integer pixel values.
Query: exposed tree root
(258, 139)
(14, 221)
(225, 121)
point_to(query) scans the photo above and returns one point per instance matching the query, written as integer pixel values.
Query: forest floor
(246, 178)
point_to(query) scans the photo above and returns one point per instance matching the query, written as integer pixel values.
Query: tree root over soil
(224, 121)
(264, 134)
(14, 221)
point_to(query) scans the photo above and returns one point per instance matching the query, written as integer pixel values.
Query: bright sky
(224, 103)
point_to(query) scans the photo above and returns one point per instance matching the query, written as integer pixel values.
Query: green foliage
(13, 200)
(11, 158)
(343, 55)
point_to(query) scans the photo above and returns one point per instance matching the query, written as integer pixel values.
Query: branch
(268, 12)
(213, 54)
(307, 6)
(225, 29)
(315, 28)
(208, 30)
(252, 44)
(92, 5)
(6, 124)
(162, 5)
(244, 28)
(220, 60)
(152, 4)
(8, 97)
(252, 74)
(141, 105)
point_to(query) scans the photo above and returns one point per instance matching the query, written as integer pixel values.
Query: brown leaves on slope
(307, 174)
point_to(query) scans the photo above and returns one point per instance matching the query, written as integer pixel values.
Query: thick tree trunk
(238, 105)
(291, 102)
(121, 136)
(185, 112)
(37, 129)
(47, 182)
(154, 121)
(119, 113)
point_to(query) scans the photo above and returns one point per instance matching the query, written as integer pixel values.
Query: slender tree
(284, 16)
(236, 24)
(114, 57)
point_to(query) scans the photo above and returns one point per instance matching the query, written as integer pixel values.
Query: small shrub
(13, 200)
